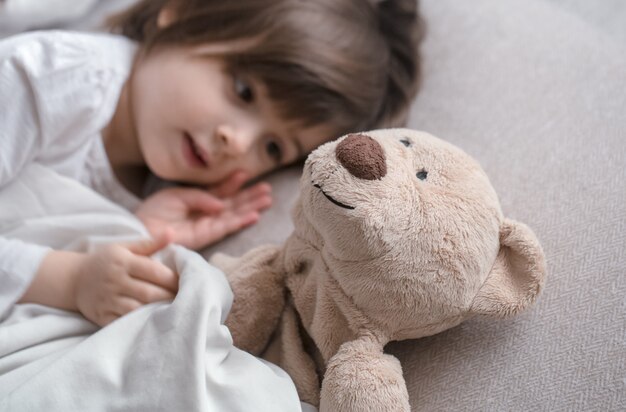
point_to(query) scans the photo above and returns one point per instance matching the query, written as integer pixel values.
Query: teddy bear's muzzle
(362, 156)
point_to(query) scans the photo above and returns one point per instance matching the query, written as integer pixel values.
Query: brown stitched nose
(362, 156)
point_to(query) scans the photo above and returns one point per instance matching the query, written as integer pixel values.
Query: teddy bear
(397, 235)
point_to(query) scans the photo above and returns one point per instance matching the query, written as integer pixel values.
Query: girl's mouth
(193, 153)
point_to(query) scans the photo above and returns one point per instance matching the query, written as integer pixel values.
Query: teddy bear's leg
(360, 377)
(259, 296)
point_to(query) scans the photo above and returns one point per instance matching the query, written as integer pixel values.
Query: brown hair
(353, 63)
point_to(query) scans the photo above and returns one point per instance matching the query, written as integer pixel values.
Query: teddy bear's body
(398, 235)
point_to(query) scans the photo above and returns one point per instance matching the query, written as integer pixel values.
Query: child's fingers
(259, 189)
(249, 202)
(154, 272)
(149, 247)
(106, 319)
(124, 305)
(146, 292)
(211, 231)
(231, 185)
(259, 195)
(201, 200)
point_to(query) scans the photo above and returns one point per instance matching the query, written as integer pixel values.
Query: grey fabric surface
(538, 96)
(608, 16)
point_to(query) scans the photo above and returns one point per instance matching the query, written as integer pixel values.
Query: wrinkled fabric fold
(164, 356)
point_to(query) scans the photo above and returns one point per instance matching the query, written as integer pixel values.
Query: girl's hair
(351, 63)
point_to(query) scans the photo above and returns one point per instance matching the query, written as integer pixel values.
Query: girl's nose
(234, 141)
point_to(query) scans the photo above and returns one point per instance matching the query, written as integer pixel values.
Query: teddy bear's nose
(362, 156)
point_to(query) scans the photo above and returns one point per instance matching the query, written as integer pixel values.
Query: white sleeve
(20, 142)
(19, 262)
(57, 91)
(20, 132)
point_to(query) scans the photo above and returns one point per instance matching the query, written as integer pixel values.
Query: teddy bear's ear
(517, 275)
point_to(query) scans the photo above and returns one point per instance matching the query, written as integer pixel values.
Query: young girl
(211, 93)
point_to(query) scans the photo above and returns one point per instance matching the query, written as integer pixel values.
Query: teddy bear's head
(412, 233)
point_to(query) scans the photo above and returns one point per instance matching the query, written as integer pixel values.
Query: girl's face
(197, 123)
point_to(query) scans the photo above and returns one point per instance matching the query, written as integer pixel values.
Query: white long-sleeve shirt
(58, 90)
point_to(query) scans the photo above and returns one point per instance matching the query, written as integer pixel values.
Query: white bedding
(165, 356)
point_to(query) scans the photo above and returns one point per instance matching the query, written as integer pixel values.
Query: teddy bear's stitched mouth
(338, 203)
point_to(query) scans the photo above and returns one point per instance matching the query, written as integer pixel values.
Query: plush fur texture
(398, 235)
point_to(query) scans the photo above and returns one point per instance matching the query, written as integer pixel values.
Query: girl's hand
(116, 279)
(198, 218)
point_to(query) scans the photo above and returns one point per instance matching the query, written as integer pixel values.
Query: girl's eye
(273, 150)
(406, 142)
(243, 90)
(422, 174)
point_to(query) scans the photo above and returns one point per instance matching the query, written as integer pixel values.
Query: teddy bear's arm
(360, 377)
(259, 296)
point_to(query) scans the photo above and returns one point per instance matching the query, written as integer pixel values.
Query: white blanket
(165, 356)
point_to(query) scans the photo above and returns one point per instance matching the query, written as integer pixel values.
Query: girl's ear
(166, 16)
(517, 275)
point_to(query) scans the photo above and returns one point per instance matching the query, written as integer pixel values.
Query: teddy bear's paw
(254, 261)
(224, 262)
(259, 297)
(360, 377)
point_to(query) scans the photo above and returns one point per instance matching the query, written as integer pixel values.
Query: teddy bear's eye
(422, 174)
(405, 142)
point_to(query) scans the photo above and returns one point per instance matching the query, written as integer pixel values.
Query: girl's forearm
(54, 283)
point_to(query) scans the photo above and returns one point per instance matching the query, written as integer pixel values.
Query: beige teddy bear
(398, 235)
